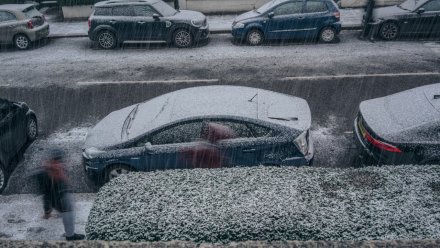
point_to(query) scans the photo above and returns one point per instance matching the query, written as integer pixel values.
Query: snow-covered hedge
(270, 203)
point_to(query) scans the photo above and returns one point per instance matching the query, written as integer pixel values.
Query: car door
(146, 26)
(431, 17)
(316, 16)
(170, 147)
(122, 21)
(418, 21)
(285, 20)
(7, 26)
(9, 142)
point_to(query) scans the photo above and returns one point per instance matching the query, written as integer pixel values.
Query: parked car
(21, 24)
(145, 21)
(211, 126)
(411, 18)
(289, 19)
(18, 128)
(402, 128)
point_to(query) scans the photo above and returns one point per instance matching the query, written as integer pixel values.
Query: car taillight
(337, 15)
(379, 144)
(30, 25)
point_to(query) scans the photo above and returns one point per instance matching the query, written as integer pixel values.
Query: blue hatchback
(289, 19)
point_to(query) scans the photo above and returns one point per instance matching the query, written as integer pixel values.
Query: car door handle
(11, 26)
(248, 150)
(112, 21)
(300, 18)
(141, 22)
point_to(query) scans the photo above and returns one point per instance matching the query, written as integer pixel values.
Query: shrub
(269, 203)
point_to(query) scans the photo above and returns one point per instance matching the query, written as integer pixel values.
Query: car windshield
(409, 4)
(268, 6)
(164, 8)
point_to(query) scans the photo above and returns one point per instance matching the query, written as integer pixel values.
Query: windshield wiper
(128, 121)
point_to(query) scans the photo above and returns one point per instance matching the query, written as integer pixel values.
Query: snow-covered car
(211, 126)
(18, 127)
(412, 17)
(402, 128)
(21, 24)
(145, 21)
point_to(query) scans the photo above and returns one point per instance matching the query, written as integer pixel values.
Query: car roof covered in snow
(123, 2)
(394, 117)
(199, 102)
(15, 7)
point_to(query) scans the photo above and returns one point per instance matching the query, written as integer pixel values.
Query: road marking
(361, 76)
(150, 82)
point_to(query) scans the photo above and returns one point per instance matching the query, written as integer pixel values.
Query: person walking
(54, 185)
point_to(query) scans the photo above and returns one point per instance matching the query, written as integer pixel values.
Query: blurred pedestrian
(54, 185)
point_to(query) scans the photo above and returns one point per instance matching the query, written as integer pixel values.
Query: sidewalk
(21, 218)
(350, 18)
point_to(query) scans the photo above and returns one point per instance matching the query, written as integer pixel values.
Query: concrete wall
(77, 12)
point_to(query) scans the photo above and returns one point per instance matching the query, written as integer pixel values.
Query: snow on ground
(21, 218)
(270, 203)
(71, 141)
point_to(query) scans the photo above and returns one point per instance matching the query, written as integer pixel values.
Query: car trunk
(35, 16)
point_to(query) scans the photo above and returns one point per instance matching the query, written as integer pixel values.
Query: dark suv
(145, 21)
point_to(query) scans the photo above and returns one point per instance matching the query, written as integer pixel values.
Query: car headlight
(92, 152)
(238, 25)
(197, 23)
(302, 143)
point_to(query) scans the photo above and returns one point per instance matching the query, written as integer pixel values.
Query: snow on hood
(247, 15)
(386, 12)
(187, 15)
(235, 101)
(394, 116)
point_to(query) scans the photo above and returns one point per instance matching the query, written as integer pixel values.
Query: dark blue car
(201, 127)
(289, 19)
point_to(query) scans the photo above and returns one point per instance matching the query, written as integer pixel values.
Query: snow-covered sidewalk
(350, 18)
(21, 218)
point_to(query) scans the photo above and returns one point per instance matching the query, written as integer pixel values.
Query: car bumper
(202, 33)
(39, 33)
(93, 174)
(371, 29)
(300, 161)
(239, 33)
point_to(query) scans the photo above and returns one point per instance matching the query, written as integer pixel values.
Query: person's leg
(69, 223)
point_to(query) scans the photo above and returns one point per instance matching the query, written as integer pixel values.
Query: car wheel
(3, 179)
(106, 40)
(327, 35)
(389, 31)
(182, 38)
(116, 170)
(255, 37)
(32, 128)
(22, 42)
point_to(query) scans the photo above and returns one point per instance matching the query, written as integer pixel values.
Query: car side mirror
(156, 17)
(271, 14)
(148, 145)
(420, 11)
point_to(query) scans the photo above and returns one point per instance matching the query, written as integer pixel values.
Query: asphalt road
(71, 85)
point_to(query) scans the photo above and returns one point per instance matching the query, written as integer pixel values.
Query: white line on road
(361, 76)
(151, 82)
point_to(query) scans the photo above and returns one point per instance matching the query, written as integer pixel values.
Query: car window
(315, 6)
(239, 129)
(432, 6)
(123, 11)
(144, 10)
(6, 16)
(261, 131)
(182, 133)
(31, 12)
(103, 11)
(288, 9)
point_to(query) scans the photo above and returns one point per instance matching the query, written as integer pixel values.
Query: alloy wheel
(106, 40)
(182, 38)
(389, 31)
(327, 35)
(255, 37)
(21, 42)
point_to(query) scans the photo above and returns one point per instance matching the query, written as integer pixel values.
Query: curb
(220, 31)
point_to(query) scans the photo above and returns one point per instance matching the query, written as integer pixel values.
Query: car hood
(395, 117)
(108, 132)
(386, 12)
(247, 15)
(187, 15)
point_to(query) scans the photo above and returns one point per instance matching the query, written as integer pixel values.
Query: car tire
(182, 38)
(116, 170)
(22, 42)
(106, 39)
(32, 128)
(389, 31)
(3, 179)
(255, 37)
(327, 35)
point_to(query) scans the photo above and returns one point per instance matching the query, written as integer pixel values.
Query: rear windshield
(31, 12)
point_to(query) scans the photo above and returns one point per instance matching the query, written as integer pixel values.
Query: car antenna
(250, 100)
